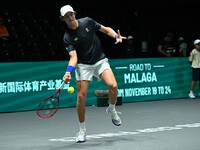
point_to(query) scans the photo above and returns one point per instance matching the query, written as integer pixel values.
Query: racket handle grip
(62, 85)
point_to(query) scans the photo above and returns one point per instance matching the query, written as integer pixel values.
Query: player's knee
(81, 99)
(113, 88)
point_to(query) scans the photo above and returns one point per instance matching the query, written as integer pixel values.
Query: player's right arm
(72, 63)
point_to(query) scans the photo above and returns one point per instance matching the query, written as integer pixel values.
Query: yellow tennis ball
(70, 89)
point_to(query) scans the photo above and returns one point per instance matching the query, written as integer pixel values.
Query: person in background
(5, 49)
(194, 60)
(167, 46)
(128, 49)
(4, 35)
(182, 47)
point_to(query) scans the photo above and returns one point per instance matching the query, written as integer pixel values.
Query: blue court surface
(152, 125)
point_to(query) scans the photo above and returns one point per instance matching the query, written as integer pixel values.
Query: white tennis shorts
(86, 72)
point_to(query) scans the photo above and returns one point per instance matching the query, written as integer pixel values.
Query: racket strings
(48, 107)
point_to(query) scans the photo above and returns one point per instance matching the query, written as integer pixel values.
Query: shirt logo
(87, 29)
(75, 39)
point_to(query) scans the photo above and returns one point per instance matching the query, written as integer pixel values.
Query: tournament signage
(24, 84)
(141, 74)
(152, 78)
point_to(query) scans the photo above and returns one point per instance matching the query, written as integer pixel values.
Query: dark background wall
(146, 20)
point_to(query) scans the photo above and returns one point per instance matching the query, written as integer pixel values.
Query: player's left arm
(110, 32)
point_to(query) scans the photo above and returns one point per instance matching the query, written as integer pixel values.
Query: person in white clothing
(194, 60)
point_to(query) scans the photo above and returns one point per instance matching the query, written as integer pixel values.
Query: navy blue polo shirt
(85, 41)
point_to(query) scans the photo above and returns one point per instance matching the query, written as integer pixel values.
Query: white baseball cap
(65, 9)
(197, 41)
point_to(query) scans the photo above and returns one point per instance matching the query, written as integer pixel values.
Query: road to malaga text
(143, 75)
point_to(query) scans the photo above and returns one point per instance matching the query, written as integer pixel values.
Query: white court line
(124, 133)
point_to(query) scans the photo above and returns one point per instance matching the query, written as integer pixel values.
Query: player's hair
(61, 17)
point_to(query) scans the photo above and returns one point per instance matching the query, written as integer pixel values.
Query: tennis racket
(49, 106)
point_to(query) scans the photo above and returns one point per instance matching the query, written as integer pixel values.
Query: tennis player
(87, 56)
